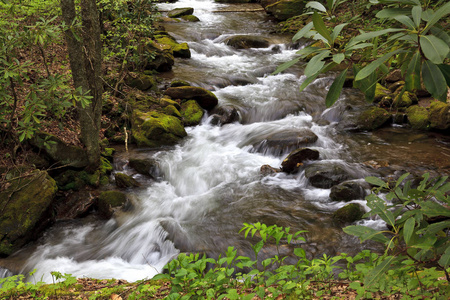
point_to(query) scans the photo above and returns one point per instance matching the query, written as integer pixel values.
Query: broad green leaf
(370, 35)
(425, 242)
(301, 33)
(286, 65)
(308, 50)
(316, 63)
(337, 30)
(416, 12)
(335, 89)
(373, 276)
(439, 14)
(319, 25)
(412, 77)
(442, 34)
(369, 69)
(406, 21)
(376, 181)
(358, 46)
(433, 209)
(338, 58)
(316, 5)
(378, 206)
(445, 258)
(392, 12)
(433, 79)
(400, 180)
(308, 80)
(435, 227)
(366, 233)
(408, 229)
(434, 48)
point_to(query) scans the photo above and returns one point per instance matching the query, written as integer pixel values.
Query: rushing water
(211, 182)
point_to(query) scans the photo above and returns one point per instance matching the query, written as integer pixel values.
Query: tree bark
(86, 65)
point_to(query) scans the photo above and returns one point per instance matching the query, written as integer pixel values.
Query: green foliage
(413, 39)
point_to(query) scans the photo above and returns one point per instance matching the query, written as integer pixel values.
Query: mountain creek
(212, 182)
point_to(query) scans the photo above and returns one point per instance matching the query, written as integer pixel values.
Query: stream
(211, 183)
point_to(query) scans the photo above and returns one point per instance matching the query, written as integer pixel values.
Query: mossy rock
(326, 175)
(373, 118)
(141, 101)
(125, 181)
(285, 9)
(166, 101)
(105, 166)
(26, 210)
(440, 115)
(179, 50)
(206, 99)
(155, 129)
(247, 41)
(350, 213)
(141, 81)
(418, 117)
(109, 201)
(380, 92)
(405, 99)
(171, 110)
(179, 12)
(75, 180)
(148, 167)
(192, 113)
(190, 18)
(161, 57)
(179, 82)
(108, 153)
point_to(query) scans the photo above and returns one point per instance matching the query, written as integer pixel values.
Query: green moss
(108, 153)
(105, 166)
(285, 9)
(190, 18)
(141, 81)
(192, 113)
(109, 200)
(349, 213)
(179, 50)
(418, 117)
(380, 92)
(440, 115)
(373, 118)
(179, 82)
(172, 111)
(404, 100)
(167, 101)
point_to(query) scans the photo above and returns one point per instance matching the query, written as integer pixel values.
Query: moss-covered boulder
(178, 12)
(350, 213)
(192, 113)
(418, 117)
(285, 9)
(141, 81)
(166, 101)
(295, 159)
(373, 118)
(161, 57)
(247, 41)
(155, 129)
(405, 99)
(179, 50)
(440, 115)
(347, 191)
(190, 18)
(179, 82)
(171, 110)
(148, 167)
(110, 201)
(326, 175)
(206, 99)
(124, 181)
(26, 210)
(59, 152)
(75, 180)
(380, 92)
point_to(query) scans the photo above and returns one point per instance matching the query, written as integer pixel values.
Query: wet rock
(124, 181)
(171, 110)
(269, 170)
(285, 9)
(37, 160)
(404, 100)
(110, 201)
(418, 117)
(190, 18)
(141, 81)
(191, 113)
(394, 76)
(108, 153)
(161, 57)
(148, 167)
(155, 129)
(225, 114)
(347, 191)
(26, 210)
(295, 159)
(247, 41)
(178, 12)
(286, 141)
(179, 50)
(440, 115)
(206, 99)
(233, 1)
(350, 213)
(380, 92)
(59, 152)
(373, 118)
(166, 101)
(75, 205)
(325, 175)
(76, 180)
(396, 85)
(179, 82)
(265, 3)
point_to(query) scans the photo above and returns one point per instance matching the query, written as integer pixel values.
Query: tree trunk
(86, 64)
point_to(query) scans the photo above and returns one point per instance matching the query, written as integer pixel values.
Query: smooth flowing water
(211, 183)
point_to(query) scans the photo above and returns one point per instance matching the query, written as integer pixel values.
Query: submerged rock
(191, 113)
(269, 170)
(285, 141)
(295, 159)
(350, 213)
(325, 175)
(347, 191)
(179, 82)
(155, 129)
(285, 9)
(206, 99)
(247, 41)
(190, 18)
(26, 210)
(225, 114)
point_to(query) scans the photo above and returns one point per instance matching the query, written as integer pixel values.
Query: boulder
(75, 180)
(179, 50)
(405, 99)
(373, 118)
(179, 82)
(59, 152)
(325, 175)
(191, 113)
(295, 159)
(166, 101)
(148, 167)
(110, 201)
(161, 57)
(225, 114)
(155, 129)
(190, 18)
(26, 210)
(141, 81)
(380, 92)
(75, 205)
(247, 41)
(124, 181)
(171, 110)
(285, 9)
(286, 141)
(178, 12)
(347, 191)
(350, 213)
(269, 170)
(440, 115)
(206, 99)
(418, 117)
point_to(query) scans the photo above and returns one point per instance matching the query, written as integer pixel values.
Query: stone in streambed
(285, 9)
(125, 181)
(325, 175)
(373, 118)
(350, 213)
(295, 159)
(269, 170)
(440, 115)
(190, 18)
(247, 41)
(347, 191)
(110, 201)
(206, 99)
(191, 113)
(285, 141)
(225, 114)
(418, 117)
(148, 167)
(179, 12)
